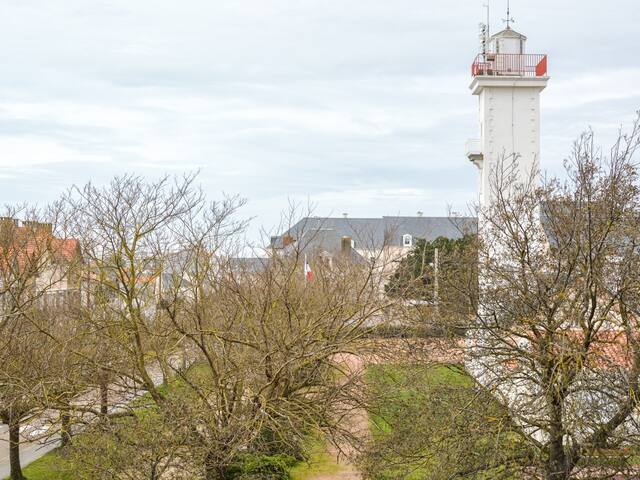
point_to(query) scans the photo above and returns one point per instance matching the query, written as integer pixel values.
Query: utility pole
(436, 297)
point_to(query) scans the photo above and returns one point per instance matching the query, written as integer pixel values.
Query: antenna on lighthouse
(484, 32)
(509, 19)
(487, 6)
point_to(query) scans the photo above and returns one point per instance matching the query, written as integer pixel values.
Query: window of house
(407, 241)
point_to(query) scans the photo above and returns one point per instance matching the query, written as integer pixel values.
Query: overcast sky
(359, 106)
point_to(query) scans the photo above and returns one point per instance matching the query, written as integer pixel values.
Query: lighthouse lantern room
(507, 82)
(507, 41)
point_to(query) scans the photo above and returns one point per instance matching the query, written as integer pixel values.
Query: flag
(308, 273)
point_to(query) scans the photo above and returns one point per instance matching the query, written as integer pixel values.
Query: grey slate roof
(375, 232)
(324, 240)
(249, 264)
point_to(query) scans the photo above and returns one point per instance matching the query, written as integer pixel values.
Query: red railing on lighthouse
(510, 64)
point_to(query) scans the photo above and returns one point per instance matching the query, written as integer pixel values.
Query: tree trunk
(214, 473)
(14, 451)
(165, 375)
(104, 398)
(213, 469)
(558, 465)
(65, 427)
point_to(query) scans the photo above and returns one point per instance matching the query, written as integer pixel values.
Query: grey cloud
(361, 105)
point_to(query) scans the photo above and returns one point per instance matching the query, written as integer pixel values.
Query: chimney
(345, 246)
(287, 240)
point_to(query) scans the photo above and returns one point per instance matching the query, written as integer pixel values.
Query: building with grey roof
(379, 232)
(368, 238)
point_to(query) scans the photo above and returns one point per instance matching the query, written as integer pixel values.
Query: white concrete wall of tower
(509, 111)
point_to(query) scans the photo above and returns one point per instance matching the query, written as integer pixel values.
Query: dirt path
(358, 425)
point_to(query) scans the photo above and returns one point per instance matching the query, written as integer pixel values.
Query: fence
(508, 64)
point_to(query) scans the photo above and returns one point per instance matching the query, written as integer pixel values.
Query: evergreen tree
(415, 276)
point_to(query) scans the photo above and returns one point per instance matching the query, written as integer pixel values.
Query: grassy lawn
(319, 463)
(432, 422)
(48, 467)
(429, 422)
(53, 467)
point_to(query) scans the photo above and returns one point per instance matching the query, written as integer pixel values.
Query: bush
(280, 440)
(261, 467)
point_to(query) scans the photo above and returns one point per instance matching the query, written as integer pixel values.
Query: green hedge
(261, 467)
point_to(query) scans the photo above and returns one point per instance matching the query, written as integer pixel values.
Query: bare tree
(268, 345)
(126, 231)
(34, 267)
(556, 336)
(252, 355)
(137, 447)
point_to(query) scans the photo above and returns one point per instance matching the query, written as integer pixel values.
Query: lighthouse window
(407, 240)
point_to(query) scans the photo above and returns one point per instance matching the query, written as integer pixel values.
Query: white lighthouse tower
(508, 82)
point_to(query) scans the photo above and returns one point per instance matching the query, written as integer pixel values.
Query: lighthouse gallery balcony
(509, 64)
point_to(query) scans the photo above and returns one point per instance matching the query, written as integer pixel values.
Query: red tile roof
(28, 244)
